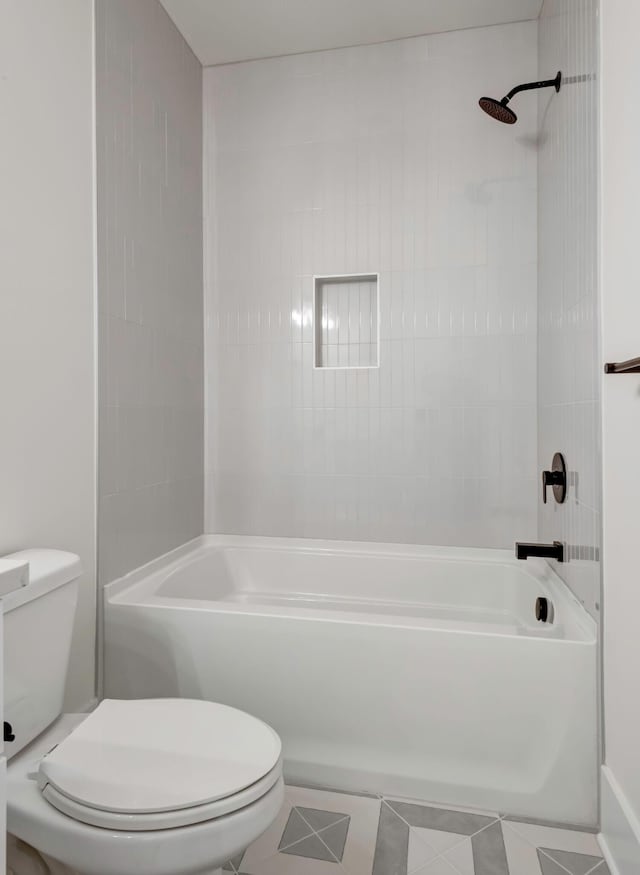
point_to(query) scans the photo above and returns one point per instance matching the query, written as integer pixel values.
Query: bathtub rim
(153, 573)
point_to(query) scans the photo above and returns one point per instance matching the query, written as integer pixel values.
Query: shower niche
(346, 321)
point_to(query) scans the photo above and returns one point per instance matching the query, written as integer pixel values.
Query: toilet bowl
(150, 787)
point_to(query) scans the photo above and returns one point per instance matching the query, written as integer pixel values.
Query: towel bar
(632, 366)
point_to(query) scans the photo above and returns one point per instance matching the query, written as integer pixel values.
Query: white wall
(621, 430)
(47, 452)
(568, 324)
(363, 160)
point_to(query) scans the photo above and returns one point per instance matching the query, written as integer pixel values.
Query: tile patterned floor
(322, 832)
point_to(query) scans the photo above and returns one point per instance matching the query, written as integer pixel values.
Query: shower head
(499, 110)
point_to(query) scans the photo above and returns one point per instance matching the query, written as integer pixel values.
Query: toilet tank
(38, 623)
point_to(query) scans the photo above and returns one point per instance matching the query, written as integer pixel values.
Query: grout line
(297, 841)
(442, 856)
(330, 826)
(339, 862)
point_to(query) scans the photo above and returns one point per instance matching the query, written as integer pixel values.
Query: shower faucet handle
(556, 478)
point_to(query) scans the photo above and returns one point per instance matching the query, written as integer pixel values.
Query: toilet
(141, 787)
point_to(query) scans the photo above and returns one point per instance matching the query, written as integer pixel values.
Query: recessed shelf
(346, 321)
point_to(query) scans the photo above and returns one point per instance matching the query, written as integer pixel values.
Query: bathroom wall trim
(620, 831)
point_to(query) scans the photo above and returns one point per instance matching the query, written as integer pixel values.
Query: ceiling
(222, 31)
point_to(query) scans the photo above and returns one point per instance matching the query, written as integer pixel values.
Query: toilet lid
(159, 755)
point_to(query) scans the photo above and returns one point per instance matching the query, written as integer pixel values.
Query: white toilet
(150, 787)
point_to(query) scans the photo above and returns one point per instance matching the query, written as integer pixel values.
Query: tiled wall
(364, 160)
(568, 359)
(149, 129)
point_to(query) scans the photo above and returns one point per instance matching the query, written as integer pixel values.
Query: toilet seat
(159, 764)
(163, 819)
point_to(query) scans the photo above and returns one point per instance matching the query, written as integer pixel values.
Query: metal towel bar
(632, 366)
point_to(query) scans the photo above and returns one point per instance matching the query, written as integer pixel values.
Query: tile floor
(322, 832)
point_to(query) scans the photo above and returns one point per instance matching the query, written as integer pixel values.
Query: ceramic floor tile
(461, 857)
(440, 866)
(556, 838)
(360, 845)
(549, 866)
(289, 864)
(429, 832)
(424, 803)
(297, 828)
(322, 832)
(335, 837)
(319, 819)
(392, 843)
(576, 864)
(271, 841)
(341, 804)
(363, 812)
(522, 856)
(489, 852)
(419, 852)
(311, 848)
(441, 819)
(440, 840)
(546, 850)
(343, 840)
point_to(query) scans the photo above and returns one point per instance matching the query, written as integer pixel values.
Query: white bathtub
(415, 671)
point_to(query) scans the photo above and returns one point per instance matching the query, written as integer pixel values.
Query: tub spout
(548, 551)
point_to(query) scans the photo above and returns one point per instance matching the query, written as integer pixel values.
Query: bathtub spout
(548, 551)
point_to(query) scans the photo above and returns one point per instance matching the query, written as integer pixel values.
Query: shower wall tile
(374, 159)
(151, 396)
(568, 342)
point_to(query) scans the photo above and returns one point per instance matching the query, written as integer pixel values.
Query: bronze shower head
(499, 110)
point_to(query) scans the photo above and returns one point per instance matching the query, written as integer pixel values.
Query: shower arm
(530, 86)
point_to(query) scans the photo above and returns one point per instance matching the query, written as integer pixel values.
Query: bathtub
(412, 671)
